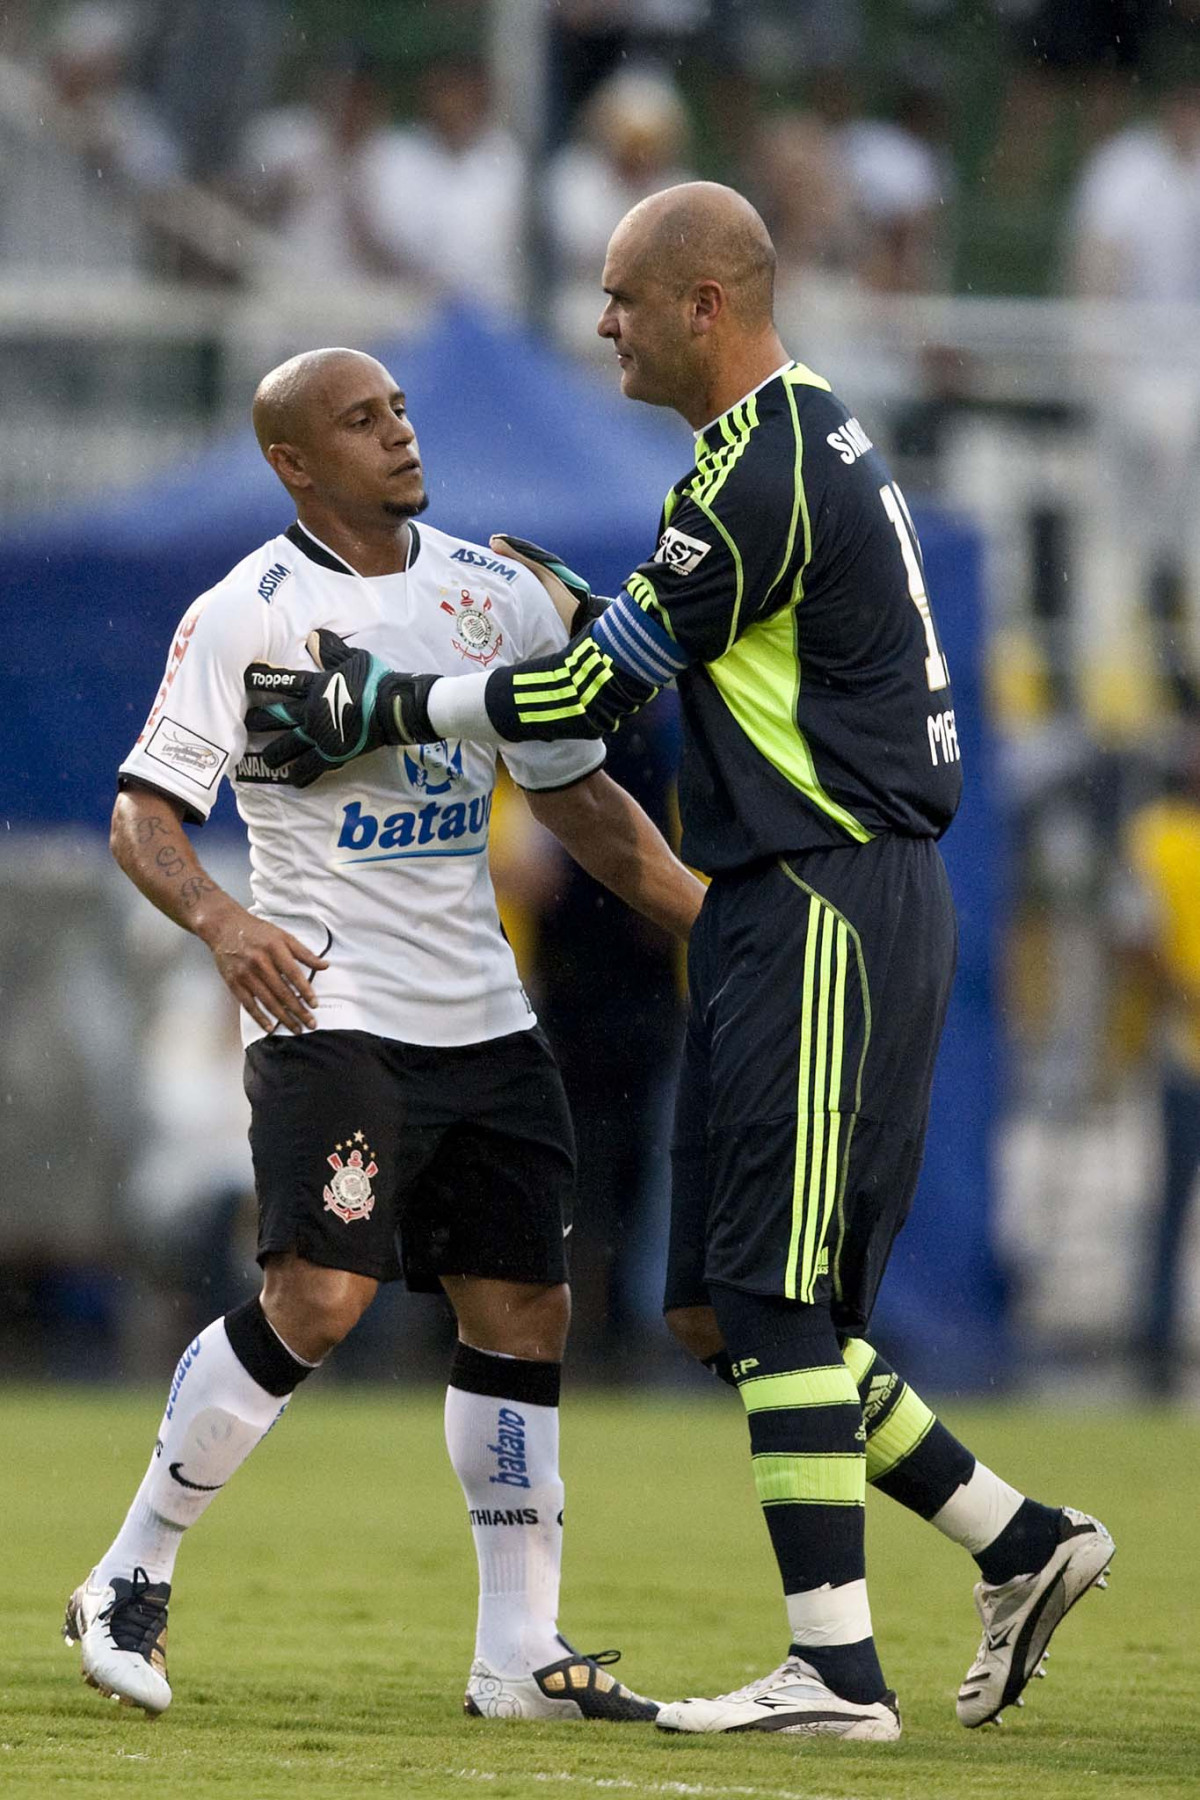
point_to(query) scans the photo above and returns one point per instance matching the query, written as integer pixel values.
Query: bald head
(701, 231)
(293, 400)
(334, 426)
(690, 279)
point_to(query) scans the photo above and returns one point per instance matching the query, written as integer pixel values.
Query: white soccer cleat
(792, 1699)
(1021, 1616)
(575, 1687)
(121, 1629)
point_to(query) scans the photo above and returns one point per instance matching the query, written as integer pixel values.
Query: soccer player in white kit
(407, 1114)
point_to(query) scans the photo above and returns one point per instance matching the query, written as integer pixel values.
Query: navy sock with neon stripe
(913, 1458)
(810, 1472)
(910, 1454)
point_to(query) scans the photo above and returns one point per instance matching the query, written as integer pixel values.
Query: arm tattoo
(170, 862)
(194, 889)
(153, 827)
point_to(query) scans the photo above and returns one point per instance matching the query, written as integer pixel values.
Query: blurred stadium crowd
(998, 146)
(987, 214)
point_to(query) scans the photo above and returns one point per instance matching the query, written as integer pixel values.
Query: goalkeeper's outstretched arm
(612, 669)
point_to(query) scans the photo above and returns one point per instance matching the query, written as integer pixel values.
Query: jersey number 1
(936, 672)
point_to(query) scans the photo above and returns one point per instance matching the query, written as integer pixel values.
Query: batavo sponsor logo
(185, 1362)
(454, 828)
(477, 560)
(509, 1450)
(503, 1515)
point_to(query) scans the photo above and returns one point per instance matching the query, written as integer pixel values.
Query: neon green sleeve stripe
(808, 1480)
(543, 696)
(641, 590)
(531, 708)
(578, 664)
(598, 680)
(577, 681)
(832, 1386)
(713, 469)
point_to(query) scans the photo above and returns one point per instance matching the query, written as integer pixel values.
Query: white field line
(615, 1784)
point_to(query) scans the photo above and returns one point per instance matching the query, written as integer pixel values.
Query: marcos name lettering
(943, 738)
(479, 561)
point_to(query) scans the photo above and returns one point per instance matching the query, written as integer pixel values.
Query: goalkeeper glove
(573, 599)
(352, 705)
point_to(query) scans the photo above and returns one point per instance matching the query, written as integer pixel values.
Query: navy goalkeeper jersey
(787, 597)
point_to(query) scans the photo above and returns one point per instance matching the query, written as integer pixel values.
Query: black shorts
(391, 1159)
(818, 990)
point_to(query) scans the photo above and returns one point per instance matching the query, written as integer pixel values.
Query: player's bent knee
(696, 1329)
(313, 1308)
(523, 1319)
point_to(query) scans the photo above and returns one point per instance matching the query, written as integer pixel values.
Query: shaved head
(290, 401)
(701, 231)
(690, 279)
(334, 426)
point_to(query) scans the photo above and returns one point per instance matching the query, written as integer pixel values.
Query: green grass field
(324, 1613)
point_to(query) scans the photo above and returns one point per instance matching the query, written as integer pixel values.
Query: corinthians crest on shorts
(476, 633)
(349, 1194)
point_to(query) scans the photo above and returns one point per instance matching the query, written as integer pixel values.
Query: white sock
(216, 1414)
(977, 1512)
(505, 1454)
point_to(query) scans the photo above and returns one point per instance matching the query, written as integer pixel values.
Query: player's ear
(707, 305)
(288, 463)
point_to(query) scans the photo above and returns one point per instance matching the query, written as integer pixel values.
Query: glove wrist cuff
(402, 709)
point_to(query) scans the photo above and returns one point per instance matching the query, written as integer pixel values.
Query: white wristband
(456, 708)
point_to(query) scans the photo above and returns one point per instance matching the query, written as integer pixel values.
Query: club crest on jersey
(434, 768)
(349, 1193)
(476, 633)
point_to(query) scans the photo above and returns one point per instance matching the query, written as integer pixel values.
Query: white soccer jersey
(380, 866)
